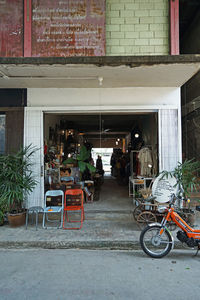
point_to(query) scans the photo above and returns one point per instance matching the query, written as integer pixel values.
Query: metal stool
(34, 210)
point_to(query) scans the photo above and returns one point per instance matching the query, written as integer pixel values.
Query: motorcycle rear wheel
(153, 244)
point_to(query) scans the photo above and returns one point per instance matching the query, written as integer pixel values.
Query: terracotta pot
(16, 220)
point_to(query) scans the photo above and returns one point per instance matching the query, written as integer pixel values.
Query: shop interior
(100, 153)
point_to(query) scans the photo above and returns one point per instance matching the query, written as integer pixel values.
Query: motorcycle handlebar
(174, 198)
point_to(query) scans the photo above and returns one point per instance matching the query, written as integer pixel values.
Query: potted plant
(16, 182)
(1, 217)
(186, 181)
(2, 212)
(81, 161)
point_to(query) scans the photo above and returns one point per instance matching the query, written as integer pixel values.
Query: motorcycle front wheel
(154, 244)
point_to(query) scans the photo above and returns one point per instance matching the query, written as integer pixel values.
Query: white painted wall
(33, 134)
(169, 139)
(141, 96)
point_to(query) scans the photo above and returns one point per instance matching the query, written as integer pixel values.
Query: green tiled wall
(137, 27)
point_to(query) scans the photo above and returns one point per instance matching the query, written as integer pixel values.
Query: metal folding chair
(34, 210)
(73, 203)
(53, 204)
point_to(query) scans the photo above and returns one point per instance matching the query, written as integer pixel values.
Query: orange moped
(156, 239)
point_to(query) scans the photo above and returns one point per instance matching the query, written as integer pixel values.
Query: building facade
(89, 57)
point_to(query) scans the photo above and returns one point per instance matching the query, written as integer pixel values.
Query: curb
(89, 245)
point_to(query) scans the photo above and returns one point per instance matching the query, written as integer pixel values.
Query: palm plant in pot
(1, 217)
(3, 209)
(186, 181)
(16, 182)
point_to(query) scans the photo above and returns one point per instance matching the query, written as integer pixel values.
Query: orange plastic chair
(73, 202)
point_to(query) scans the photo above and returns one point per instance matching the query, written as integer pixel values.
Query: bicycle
(156, 239)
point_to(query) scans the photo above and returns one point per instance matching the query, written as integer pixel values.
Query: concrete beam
(102, 60)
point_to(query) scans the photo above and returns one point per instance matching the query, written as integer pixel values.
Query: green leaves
(81, 160)
(70, 160)
(16, 177)
(83, 165)
(84, 154)
(1, 217)
(186, 175)
(91, 168)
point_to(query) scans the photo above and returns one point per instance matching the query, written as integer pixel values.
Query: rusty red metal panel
(174, 27)
(68, 28)
(11, 28)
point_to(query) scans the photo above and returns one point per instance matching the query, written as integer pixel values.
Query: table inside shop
(137, 183)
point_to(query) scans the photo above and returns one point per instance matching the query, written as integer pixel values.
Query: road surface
(90, 274)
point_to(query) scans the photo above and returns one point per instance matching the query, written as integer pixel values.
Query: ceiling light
(137, 135)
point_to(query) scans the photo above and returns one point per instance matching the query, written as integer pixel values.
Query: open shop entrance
(119, 145)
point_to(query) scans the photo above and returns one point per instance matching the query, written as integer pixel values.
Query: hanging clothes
(145, 159)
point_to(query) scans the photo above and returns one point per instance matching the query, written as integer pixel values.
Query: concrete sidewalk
(100, 230)
(113, 230)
